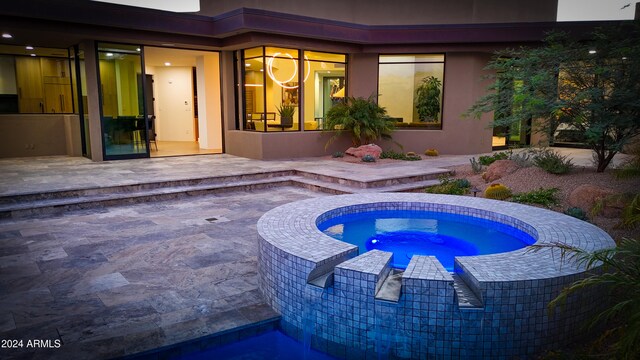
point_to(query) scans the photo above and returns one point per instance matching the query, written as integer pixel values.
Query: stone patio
(117, 280)
(126, 279)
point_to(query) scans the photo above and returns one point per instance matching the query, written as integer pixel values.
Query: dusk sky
(576, 10)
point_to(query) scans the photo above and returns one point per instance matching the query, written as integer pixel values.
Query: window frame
(418, 126)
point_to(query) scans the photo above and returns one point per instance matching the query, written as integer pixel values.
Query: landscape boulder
(360, 151)
(499, 169)
(586, 196)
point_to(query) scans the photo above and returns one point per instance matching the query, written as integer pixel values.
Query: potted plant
(428, 99)
(286, 112)
(364, 119)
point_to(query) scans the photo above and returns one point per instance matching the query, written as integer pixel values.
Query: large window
(273, 100)
(410, 87)
(35, 81)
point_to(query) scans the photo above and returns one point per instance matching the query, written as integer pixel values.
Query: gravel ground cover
(533, 178)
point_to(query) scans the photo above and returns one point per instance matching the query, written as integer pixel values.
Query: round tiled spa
(358, 306)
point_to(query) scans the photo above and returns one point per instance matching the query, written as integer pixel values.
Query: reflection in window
(410, 87)
(37, 81)
(271, 87)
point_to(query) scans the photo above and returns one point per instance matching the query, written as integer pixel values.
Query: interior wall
(398, 83)
(173, 90)
(209, 101)
(8, 75)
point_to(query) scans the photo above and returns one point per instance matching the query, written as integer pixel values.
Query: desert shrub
(577, 213)
(551, 161)
(628, 171)
(631, 214)
(368, 158)
(476, 167)
(630, 217)
(544, 197)
(337, 154)
(463, 183)
(390, 154)
(450, 186)
(431, 152)
(487, 160)
(522, 159)
(619, 278)
(497, 192)
(632, 167)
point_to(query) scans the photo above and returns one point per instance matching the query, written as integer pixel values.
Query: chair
(151, 132)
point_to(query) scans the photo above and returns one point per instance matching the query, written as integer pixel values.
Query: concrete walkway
(118, 280)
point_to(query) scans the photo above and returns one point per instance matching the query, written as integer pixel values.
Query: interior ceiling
(155, 56)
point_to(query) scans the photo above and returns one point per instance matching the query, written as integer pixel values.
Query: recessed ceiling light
(109, 54)
(137, 49)
(624, 58)
(7, 35)
(167, 64)
(29, 47)
(247, 65)
(592, 51)
(262, 70)
(33, 54)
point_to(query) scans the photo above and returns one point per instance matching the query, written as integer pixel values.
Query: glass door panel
(124, 129)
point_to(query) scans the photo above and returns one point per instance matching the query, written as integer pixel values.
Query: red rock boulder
(587, 196)
(360, 151)
(499, 169)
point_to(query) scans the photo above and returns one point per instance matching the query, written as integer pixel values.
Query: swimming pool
(408, 233)
(272, 345)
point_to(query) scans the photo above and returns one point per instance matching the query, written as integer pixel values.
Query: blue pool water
(408, 233)
(270, 345)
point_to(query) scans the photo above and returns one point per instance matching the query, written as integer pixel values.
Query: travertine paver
(125, 279)
(53, 173)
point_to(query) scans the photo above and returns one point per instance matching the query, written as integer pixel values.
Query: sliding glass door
(123, 119)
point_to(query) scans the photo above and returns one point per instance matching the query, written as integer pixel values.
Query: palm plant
(620, 277)
(363, 118)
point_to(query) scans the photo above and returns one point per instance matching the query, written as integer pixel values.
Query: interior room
(179, 123)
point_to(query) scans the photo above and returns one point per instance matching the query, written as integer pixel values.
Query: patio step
(380, 182)
(23, 205)
(466, 297)
(90, 191)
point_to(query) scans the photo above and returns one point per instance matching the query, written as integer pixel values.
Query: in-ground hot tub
(408, 233)
(490, 306)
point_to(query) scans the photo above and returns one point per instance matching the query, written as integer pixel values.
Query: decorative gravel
(533, 178)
